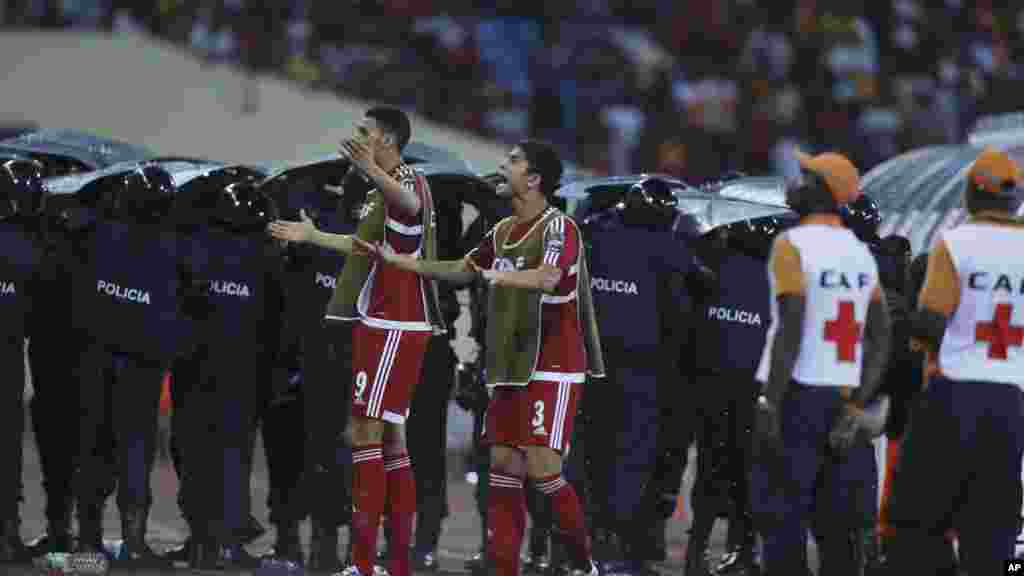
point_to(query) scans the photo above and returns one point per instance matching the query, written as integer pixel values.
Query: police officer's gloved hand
(767, 430)
(859, 425)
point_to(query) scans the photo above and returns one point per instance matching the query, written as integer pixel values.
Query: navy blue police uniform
(20, 252)
(238, 345)
(132, 273)
(53, 357)
(317, 357)
(733, 320)
(632, 266)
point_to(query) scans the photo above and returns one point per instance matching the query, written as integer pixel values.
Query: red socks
(506, 522)
(368, 492)
(568, 518)
(401, 507)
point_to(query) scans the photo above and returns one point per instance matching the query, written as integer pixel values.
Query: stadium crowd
(874, 78)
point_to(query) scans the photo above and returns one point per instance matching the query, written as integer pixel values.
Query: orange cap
(841, 176)
(992, 169)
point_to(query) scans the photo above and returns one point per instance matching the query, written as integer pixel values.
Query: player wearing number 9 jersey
(970, 320)
(822, 361)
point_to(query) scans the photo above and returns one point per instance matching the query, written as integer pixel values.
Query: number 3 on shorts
(538, 416)
(360, 387)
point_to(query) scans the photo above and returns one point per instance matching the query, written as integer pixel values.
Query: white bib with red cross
(984, 339)
(839, 276)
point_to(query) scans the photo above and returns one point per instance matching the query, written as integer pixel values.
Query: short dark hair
(394, 121)
(544, 160)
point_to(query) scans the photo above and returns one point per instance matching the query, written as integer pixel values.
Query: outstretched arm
(304, 232)
(458, 272)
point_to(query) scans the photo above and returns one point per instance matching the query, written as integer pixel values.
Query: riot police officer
(238, 346)
(21, 200)
(640, 266)
(192, 208)
(318, 358)
(733, 321)
(53, 357)
(128, 296)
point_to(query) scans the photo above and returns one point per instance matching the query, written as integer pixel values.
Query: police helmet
(144, 194)
(21, 188)
(653, 192)
(754, 237)
(244, 206)
(862, 217)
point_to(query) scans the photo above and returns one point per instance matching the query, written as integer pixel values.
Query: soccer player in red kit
(541, 343)
(397, 314)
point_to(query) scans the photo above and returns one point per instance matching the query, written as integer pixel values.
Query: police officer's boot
(739, 560)
(11, 547)
(202, 548)
(536, 561)
(90, 528)
(286, 543)
(56, 538)
(136, 552)
(323, 547)
(697, 547)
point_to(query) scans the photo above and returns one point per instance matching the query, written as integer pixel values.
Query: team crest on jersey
(7, 288)
(122, 293)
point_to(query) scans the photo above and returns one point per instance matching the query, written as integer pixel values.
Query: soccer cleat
(350, 571)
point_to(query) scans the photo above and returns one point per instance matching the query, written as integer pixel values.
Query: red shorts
(539, 414)
(385, 368)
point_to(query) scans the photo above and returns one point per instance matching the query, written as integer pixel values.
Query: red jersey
(563, 356)
(391, 298)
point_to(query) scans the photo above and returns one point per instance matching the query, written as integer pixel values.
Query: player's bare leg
(544, 468)
(368, 488)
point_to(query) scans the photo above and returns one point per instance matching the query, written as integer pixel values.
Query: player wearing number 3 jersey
(541, 343)
(821, 363)
(970, 319)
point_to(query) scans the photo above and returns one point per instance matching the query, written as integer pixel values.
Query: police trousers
(326, 395)
(234, 390)
(805, 480)
(123, 393)
(284, 431)
(960, 467)
(622, 417)
(54, 407)
(427, 440)
(12, 415)
(724, 448)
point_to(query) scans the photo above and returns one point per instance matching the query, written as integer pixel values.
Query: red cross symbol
(998, 333)
(845, 332)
